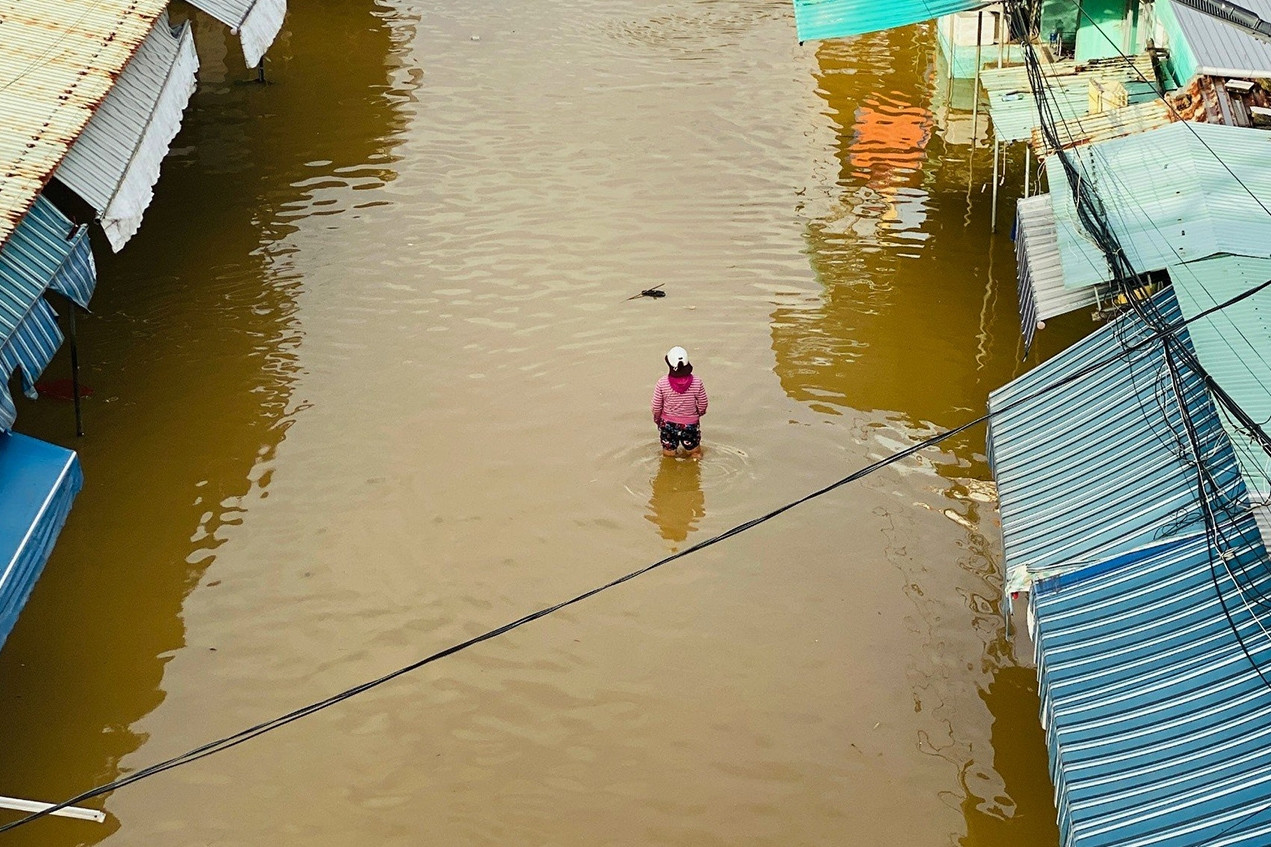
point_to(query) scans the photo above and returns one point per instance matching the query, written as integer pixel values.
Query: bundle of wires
(1219, 505)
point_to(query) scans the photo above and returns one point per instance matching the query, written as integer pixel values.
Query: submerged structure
(1134, 468)
(91, 95)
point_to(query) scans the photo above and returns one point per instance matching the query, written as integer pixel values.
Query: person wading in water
(679, 401)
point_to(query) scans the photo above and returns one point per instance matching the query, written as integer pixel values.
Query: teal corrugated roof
(1171, 196)
(1232, 345)
(1157, 721)
(821, 19)
(1013, 106)
(1093, 468)
(1198, 43)
(1014, 109)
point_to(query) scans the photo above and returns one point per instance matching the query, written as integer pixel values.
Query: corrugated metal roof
(1042, 294)
(114, 164)
(1232, 346)
(257, 22)
(1105, 126)
(45, 251)
(38, 483)
(1202, 44)
(1093, 468)
(1158, 723)
(1014, 108)
(60, 57)
(1171, 196)
(821, 19)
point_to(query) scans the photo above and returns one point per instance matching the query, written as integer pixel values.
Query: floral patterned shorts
(687, 436)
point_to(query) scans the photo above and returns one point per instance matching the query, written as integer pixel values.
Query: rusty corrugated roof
(58, 58)
(1104, 126)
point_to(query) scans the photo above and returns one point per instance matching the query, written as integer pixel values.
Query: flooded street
(368, 383)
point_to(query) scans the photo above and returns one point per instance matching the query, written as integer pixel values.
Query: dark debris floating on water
(655, 291)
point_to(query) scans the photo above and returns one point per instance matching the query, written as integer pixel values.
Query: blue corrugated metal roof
(1158, 724)
(1171, 195)
(45, 251)
(1095, 467)
(821, 19)
(38, 483)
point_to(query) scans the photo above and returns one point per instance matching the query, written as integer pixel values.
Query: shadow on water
(191, 354)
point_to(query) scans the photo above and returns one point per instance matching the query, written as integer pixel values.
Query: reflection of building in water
(889, 141)
(891, 295)
(677, 503)
(882, 135)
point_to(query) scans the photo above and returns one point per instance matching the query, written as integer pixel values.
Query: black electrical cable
(259, 729)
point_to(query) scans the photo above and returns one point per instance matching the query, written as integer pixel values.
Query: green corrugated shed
(821, 19)
(1171, 196)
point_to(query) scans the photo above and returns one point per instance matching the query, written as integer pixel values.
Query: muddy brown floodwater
(367, 383)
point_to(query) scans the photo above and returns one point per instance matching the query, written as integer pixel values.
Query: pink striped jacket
(685, 407)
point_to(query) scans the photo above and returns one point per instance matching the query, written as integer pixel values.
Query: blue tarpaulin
(38, 483)
(820, 19)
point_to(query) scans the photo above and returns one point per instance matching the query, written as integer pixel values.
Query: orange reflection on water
(889, 140)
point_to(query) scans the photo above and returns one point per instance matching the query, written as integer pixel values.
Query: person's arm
(702, 400)
(656, 404)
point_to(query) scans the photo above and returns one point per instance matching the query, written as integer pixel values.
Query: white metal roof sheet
(60, 58)
(1041, 246)
(114, 164)
(256, 22)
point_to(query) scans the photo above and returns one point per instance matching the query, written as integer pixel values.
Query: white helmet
(677, 357)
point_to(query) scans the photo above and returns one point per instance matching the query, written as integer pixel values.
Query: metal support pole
(975, 93)
(993, 214)
(20, 805)
(260, 70)
(1028, 166)
(79, 415)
